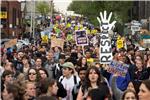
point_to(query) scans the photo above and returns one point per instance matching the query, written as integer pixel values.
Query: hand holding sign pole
(105, 42)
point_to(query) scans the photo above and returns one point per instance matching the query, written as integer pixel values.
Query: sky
(62, 5)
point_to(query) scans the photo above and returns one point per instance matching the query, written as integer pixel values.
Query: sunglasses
(32, 73)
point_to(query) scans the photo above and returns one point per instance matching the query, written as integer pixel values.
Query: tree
(91, 9)
(43, 8)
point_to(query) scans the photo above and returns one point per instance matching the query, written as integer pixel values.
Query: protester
(102, 93)
(92, 81)
(30, 91)
(82, 62)
(69, 80)
(46, 98)
(33, 75)
(129, 95)
(26, 64)
(81, 73)
(38, 63)
(140, 72)
(11, 92)
(50, 64)
(144, 93)
(43, 73)
(57, 70)
(7, 77)
(118, 94)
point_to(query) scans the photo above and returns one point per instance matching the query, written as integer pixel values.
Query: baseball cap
(68, 65)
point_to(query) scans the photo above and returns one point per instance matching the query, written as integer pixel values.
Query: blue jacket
(122, 82)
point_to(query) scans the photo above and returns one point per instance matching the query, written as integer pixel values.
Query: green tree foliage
(91, 9)
(43, 8)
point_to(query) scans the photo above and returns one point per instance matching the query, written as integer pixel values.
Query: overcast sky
(62, 4)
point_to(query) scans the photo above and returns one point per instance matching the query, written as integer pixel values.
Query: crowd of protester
(73, 73)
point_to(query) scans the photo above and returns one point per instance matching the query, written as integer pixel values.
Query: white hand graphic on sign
(104, 22)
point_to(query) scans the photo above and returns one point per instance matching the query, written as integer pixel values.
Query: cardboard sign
(11, 43)
(57, 42)
(117, 67)
(105, 42)
(81, 38)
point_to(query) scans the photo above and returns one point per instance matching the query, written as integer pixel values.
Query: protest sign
(11, 43)
(57, 42)
(135, 26)
(117, 67)
(120, 43)
(45, 39)
(81, 38)
(105, 42)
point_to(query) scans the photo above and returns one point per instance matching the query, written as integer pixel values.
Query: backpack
(57, 72)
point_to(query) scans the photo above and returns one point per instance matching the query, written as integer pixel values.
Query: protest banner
(11, 43)
(105, 50)
(117, 67)
(81, 38)
(57, 42)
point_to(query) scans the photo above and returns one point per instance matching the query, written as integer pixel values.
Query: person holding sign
(121, 68)
(119, 94)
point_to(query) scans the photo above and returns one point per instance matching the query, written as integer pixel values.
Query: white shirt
(68, 84)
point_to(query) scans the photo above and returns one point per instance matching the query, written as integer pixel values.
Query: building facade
(11, 19)
(141, 11)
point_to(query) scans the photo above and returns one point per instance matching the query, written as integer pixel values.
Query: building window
(3, 17)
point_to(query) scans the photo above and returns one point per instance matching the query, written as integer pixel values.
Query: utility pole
(34, 21)
(31, 21)
(51, 10)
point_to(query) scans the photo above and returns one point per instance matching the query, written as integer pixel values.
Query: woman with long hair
(92, 81)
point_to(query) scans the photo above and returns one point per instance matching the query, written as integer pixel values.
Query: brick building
(11, 19)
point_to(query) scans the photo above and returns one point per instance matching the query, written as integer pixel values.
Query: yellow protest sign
(76, 27)
(69, 37)
(88, 31)
(81, 27)
(3, 14)
(45, 39)
(68, 25)
(57, 42)
(120, 43)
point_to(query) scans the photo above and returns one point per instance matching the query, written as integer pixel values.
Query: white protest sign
(105, 50)
(135, 26)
